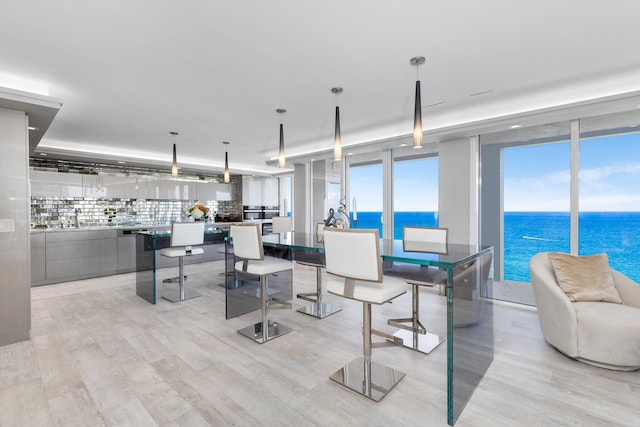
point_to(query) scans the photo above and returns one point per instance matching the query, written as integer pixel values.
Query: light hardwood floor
(100, 355)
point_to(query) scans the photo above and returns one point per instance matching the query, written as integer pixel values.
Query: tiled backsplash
(52, 212)
(62, 212)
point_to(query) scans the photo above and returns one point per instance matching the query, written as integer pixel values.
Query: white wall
(458, 192)
(15, 280)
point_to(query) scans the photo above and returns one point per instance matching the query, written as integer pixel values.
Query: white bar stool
(419, 239)
(355, 256)
(318, 308)
(247, 245)
(183, 236)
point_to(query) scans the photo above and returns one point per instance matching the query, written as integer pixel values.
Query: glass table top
(390, 250)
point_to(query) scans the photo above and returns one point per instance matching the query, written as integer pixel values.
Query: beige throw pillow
(585, 278)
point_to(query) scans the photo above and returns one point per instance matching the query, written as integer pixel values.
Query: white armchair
(599, 333)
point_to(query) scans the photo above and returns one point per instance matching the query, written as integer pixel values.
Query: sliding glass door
(415, 193)
(610, 200)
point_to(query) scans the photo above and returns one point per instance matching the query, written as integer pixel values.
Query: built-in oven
(270, 211)
(250, 213)
(267, 228)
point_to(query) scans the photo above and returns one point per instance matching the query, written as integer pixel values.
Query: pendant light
(226, 164)
(281, 158)
(337, 141)
(174, 165)
(417, 115)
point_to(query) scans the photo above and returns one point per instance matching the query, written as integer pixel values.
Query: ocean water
(527, 233)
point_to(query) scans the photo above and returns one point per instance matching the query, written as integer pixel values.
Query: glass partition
(469, 330)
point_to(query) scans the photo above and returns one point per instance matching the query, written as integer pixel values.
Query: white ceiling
(129, 72)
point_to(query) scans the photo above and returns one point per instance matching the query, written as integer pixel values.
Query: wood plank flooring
(100, 355)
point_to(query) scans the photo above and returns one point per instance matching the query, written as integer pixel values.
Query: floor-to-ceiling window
(536, 204)
(415, 193)
(610, 200)
(529, 205)
(365, 186)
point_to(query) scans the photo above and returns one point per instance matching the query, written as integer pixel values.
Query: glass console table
(148, 260)
(469, 308)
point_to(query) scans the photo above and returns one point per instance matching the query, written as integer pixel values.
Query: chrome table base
(273, 330)
(368, 378)
(424, 343)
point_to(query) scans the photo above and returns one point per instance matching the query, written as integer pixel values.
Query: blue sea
(527, 233)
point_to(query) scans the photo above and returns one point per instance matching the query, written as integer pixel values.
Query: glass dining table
(468, 290)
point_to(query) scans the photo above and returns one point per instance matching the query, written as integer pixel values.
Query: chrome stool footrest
(308, 296)
(174, 279)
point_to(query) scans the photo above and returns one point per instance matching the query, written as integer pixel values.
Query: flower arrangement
(199, 211)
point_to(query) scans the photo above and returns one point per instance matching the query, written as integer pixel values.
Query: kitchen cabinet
(54, 184)
(260, 191)
(73, 255)
(38, 259)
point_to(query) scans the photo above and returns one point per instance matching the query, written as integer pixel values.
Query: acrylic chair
(419, 239)
(317, 308)
(247, 245)
(184, 236)
(354, 255)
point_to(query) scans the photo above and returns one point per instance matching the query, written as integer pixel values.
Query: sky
(536, 178)
(415, 186)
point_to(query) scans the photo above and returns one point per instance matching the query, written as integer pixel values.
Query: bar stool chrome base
(174, 295)
(369, 379)
(320, 310)
(424, 343)
(255, 332)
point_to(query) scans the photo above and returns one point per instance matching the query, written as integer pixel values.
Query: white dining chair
(247, 246)
(281, 224)
(354, 256)
(185, 236)
(419, 239)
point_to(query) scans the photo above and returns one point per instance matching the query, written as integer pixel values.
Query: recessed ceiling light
(403, 145)
(484, 92)
(43, 154)
(349, 154)
(434, 104)
(121, 162)
(515, 126)
(32, 128)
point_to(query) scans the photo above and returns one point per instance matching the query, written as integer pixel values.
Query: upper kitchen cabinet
(213, 191)
(171, 189)
(259, 191)
(270, 192)
(55, 184)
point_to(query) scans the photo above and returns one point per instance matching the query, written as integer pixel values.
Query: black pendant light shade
(337, 140)
(226, 177)
(417, 114)
(417, 119)
(281, 156)
(174, 165)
